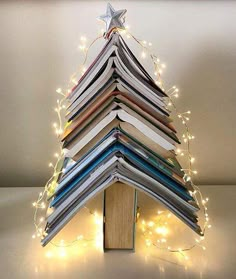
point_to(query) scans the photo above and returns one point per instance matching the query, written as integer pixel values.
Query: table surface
(22, 256)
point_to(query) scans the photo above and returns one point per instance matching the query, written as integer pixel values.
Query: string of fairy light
(155, 232)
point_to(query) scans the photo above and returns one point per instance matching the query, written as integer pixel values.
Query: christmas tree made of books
(118, 139)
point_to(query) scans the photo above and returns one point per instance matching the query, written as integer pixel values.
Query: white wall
(38, 52)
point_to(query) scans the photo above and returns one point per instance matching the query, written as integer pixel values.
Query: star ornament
(113, 19)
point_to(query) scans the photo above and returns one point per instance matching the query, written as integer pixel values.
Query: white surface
(39, 52)
(22, 257)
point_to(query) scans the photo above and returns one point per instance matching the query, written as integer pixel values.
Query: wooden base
(119, 217)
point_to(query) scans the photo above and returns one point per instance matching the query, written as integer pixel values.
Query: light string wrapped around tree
(146, 227)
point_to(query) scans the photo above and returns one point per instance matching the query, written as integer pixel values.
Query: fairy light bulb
(74, 81)
(143, 54)
(162, 230)
(151, 224)
(49, 254)
(83, 38)
(62, 253)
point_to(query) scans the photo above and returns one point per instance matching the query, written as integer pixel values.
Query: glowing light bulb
(62, 253)
(162, 230)
(74, 81)
(48, 254)
(83, 39)
(151, 224)
(43, 205)
(143, 54)
(80, 237)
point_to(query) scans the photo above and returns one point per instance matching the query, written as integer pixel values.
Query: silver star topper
(113, 19)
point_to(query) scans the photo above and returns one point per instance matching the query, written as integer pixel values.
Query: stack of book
(118, 130)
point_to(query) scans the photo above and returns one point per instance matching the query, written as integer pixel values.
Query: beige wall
(38, 52)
